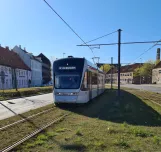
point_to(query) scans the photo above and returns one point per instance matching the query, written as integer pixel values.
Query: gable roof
(158, 65)
(44, 59)
(126, 68)
(131, 67)
(30, 54)
(11, 59)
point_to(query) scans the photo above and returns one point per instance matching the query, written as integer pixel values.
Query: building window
(159, 71)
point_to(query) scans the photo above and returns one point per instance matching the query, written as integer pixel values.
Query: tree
(146, 69)
(137, 72)
(105, 67)
(157, 61)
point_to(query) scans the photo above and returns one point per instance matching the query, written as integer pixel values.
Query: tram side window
(94, 78)
(84, 83)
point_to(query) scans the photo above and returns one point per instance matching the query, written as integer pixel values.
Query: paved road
(147, 87)
(17, 106)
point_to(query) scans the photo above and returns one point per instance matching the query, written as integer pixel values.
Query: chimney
(158, 54)
(24, 48)
(20, 46)
(7, 47)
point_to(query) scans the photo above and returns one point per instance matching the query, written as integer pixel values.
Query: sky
(32, 24)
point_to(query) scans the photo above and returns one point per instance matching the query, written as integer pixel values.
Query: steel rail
(25, 119)
(11, 147)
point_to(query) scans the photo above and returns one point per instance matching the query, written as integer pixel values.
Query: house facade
(126, 75)
(156, 74)
(46, 68)
(13, 71)
(33, 62)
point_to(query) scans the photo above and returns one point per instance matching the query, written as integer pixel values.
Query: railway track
(148, 96)
(25, 119)
(17, 143)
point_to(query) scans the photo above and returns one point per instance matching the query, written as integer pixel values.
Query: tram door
(89, 84)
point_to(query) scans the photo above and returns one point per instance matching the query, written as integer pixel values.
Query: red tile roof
(126, 68)
(130, 68)
(11, 59)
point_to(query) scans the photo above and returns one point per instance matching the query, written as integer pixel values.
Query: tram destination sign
(67, 68)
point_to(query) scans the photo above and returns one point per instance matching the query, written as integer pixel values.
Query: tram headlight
(66, 93)
(74, 93)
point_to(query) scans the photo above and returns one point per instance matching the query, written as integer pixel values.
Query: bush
(25, 92)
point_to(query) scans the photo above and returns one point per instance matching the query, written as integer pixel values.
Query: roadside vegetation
(24, 92)
(132, 124)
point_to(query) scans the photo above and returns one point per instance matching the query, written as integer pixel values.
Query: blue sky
(31, 24)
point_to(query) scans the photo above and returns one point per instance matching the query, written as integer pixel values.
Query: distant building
(126, 75)
(14, 70)
(33, 62)
(156, 74)
(46, 68)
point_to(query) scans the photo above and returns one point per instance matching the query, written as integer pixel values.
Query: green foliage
(78, 133)
(157, 140)
(25, 92)
(157, 61)
(137, 72)
(141, 133)
(145, 70)
(121, 143)
(105, 67)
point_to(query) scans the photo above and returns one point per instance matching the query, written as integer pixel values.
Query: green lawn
(104, 124)
(24, 92)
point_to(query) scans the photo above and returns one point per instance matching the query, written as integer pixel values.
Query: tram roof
(88, 63)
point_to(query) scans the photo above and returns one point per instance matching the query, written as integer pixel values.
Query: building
(126, 75)
(156, 74)
(13, 71)
(33, 62)
(46, 69)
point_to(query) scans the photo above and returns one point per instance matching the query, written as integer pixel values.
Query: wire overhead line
(143, 42)
(147, 50)
(68, 26)
(101, 37)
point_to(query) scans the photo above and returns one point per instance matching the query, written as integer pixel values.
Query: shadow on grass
(78, 147)
(129, 109)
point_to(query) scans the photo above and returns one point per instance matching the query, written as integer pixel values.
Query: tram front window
(67, 82)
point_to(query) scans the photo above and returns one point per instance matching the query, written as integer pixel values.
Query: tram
(76, 80)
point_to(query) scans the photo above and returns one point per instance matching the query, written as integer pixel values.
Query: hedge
(25, 92)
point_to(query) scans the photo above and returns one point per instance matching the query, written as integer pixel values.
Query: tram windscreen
(68, 73)
(67, 81)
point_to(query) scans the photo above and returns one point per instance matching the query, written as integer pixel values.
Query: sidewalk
(13, 107)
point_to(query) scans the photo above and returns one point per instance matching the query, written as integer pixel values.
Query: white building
(156, 74)
(14, 70)
(34, 63)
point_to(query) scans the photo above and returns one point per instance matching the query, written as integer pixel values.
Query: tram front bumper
(65, 99)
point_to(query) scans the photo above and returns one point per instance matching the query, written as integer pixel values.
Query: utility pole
(15, 79)
(111, 72)
(119, 54)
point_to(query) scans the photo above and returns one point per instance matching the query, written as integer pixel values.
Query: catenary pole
(119, 56)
